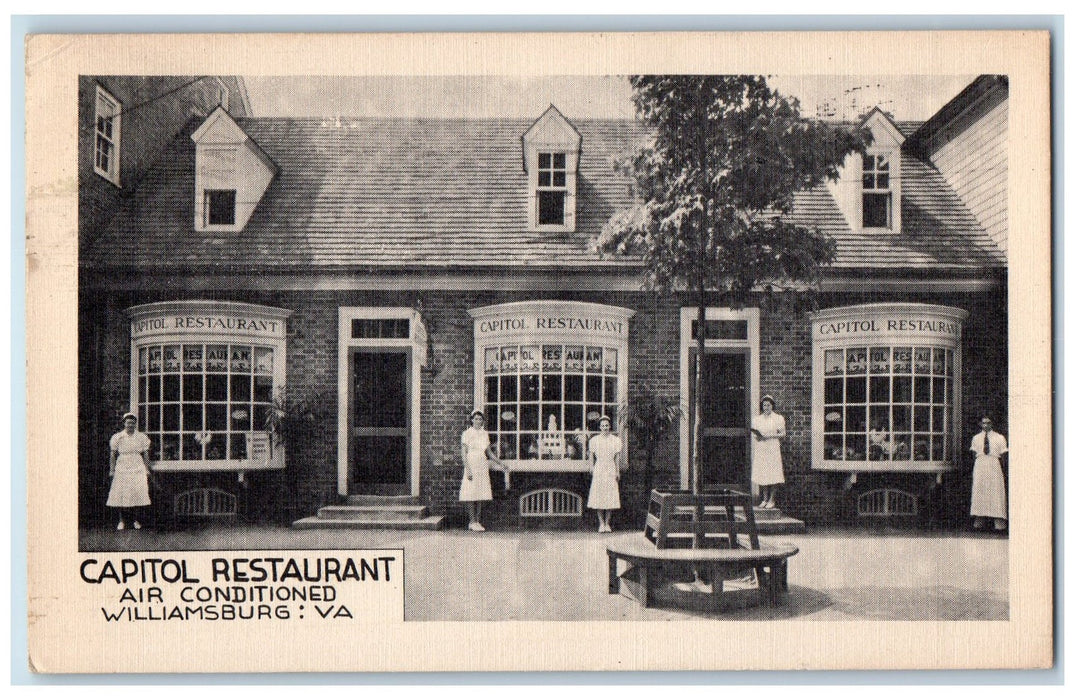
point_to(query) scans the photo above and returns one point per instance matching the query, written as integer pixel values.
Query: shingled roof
(452, 193)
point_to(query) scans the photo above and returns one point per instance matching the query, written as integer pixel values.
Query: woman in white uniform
(767, 468)
(988, 498)
(475, 488)
(605, 449)
(130, 470)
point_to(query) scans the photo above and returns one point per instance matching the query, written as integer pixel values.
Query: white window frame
(416, 342)
(687, 315)
(206, 209)
(887, 192)
(886, 339)
(552, 170)
(192, 337)
(110, 173)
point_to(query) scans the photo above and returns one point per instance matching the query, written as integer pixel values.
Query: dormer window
(231, 174)
(552, 188)
(876, 191)
(551, 149)
(106, 141)
(219, 207)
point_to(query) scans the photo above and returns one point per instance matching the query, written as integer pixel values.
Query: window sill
(114, 179)
(878, 466)
(545, 465)
(218, 465)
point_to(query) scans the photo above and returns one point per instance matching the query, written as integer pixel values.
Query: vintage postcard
(539, 352)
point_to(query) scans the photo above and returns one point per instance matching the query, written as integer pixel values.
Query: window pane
(834, 391)
(545, 179)
(856, 419)
(528, 416)
(491, 388)
(879, 389)
(492, 360)
(901, 389)
(529, 358)
(834, 447)
(153, 417)
(551, 207)
(155, 359)
(192, 449)
(217, 447)
(552, 387)
(263, 360)
(573, 387)
(901, 418)
(216, 387)
(573, 416)
(856, 361)
(142, 393)
(192, 417)
(509, 389)
(921, 419)
(142, 353)
(901, 360)
(528, 387)
(170, 447)
(192, 387)
(171, 387)
(921, 390)
(559, 179)
(153, 388)
(263, 389)
(192, 358)
(879, 363)
(593, 360)
(882, 182)
(170, 417)
(238, 446)
(552, 418)
(559, 161)
(240, 389)
(610, 390)
(240, 416)
(216, 416)
(544, 160)
(856, 390)
(834, 362)
(938, 390)
(921, 361)
(834, 419)
(220, 207)
(240, 359)
(593, 389)
(875, 210)
(552, 359)
(921, 448)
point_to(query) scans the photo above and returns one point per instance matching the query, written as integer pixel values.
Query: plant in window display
(650, 416)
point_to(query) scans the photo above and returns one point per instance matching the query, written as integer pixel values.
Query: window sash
(106, 123)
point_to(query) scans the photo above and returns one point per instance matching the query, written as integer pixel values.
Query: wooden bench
(717, 517)
(768, 562)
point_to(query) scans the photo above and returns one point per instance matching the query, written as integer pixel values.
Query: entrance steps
(373, 513)
(771, 521)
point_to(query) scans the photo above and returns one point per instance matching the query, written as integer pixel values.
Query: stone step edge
(432, 522)
(344, 512)
(375, 500)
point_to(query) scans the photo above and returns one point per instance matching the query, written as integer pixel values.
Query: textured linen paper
(68, 631)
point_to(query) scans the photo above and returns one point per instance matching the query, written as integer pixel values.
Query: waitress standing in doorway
(768, 469)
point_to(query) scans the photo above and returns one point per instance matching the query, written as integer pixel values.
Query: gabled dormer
(231, 174)
(869, 190)
(551, 148)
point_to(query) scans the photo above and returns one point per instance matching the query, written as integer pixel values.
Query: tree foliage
(715, 188)
(715, 185)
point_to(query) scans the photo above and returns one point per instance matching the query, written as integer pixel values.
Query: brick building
(380, 278)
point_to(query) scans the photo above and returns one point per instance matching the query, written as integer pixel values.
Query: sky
(578, 97)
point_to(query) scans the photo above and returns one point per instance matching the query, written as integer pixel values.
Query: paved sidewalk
(839, 574)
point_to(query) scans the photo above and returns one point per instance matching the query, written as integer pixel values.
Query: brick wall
(447, 388)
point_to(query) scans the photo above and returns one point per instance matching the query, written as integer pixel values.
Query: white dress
(605, 488)
(768, 468)
(130, 483)
(478, 488)
(988, 498)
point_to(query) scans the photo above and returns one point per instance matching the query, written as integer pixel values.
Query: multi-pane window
(888, 403)
(876, 191)
(544, 402)
(106, 137)
(204, 402)
(219, 207)
(552, 188)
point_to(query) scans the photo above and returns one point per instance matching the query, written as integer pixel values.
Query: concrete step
(780, 526)
(374, 500)
(429, 522)
(377, 512)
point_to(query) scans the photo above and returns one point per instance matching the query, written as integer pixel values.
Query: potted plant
(650, 416)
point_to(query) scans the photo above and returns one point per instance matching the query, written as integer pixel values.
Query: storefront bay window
(886, 387)
(204, 377)
(545, 374)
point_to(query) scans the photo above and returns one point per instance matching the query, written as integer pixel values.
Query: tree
(715, 185)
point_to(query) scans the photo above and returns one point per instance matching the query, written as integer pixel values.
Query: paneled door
(380, 421)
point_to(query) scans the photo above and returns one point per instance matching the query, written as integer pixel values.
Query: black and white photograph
(680, 346)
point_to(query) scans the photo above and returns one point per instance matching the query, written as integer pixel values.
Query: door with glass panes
(379, 443)
(725, 454)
